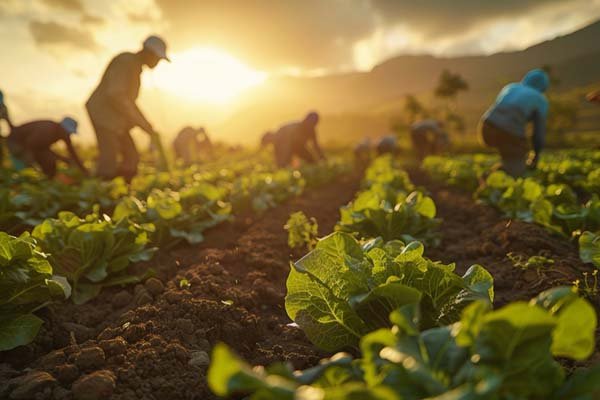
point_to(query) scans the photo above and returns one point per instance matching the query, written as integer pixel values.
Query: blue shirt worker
(503, 126)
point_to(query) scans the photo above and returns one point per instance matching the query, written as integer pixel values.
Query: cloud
(271, 34)
(89, 19)
(55, 34)
(311, 34)
(69, 5)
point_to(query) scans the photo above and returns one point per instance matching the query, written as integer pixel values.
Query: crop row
(563, 195)
(412, 328)
(100, 229)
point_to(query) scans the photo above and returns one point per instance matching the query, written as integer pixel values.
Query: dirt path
(153, 340)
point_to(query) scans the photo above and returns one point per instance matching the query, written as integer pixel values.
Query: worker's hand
(594, 97)
(532, 163)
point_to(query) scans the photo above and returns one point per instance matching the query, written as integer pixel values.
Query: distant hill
(369, 99)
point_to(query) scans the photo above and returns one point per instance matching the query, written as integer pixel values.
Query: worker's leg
(46, 160)
(130, 157)
(283, 154)
(304, 154)
(513, 150)
(108, 148)
(419, 143)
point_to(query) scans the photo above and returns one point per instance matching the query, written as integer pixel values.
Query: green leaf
(589, 248)
(18, 331)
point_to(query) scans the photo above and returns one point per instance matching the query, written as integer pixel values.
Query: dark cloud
(320, 33)
(440, 17)
(308, 33)
(54, 34)
(69, 5)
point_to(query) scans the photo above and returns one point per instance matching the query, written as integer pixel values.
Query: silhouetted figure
(113, 111)
(295, 139)
(3, 116)
(190, 143)
(504, 125)
(362, 153)
(387, 145)
(428, 137)
(30, 145)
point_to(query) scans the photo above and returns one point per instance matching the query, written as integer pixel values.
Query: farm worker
(428, 137)
(387, 145)
(504, 124)
(113, 111)
(293, 140)
(189, 142)
(362, 153)
(30, 144)
(4, 111)
(3, 116)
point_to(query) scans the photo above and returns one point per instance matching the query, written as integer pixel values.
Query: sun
(206, 74)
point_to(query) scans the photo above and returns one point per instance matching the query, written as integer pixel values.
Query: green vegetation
(27, 284)
(302, 232)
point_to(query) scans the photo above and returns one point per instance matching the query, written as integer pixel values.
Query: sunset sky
(54, 51)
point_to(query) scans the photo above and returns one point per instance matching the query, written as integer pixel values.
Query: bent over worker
(189, 143)
(3, 116)
(504, 124)
(295, 139)
(30, 144)
(428, 137)
(113, 111)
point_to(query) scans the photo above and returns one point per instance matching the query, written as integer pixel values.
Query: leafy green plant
(533, 262)
(302, 232)
(341, 290)
(509, 353)
(589, 248)
(176, 216)
(94, 252)
(26, 285)
(588, 287)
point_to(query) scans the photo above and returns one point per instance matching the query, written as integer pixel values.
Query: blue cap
(69, 125)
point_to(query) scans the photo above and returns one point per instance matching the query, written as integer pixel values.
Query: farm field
(215, 270)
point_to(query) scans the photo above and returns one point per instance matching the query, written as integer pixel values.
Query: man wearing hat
(113, 111)
(30, 144)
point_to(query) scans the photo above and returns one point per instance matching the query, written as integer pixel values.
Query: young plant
(26, 285)
(510, 353)
(533, 262)
(94, 252)
(302, 232)
(341, 290)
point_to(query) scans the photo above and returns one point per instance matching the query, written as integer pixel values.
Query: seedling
(302, 232)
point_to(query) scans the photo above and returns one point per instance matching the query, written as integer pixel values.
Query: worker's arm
(121, 77)
(539, 135)
(315, 143)
(74, 156)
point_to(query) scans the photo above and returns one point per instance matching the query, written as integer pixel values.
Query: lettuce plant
(93, 252)
(510, 353)
(26, 285)
(341, 290)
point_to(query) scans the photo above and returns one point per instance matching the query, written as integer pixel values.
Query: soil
(153, 341)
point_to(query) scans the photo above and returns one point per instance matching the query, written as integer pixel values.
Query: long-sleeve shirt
(519, 104)
(38, 136)
(4, 115)
(292, 139)
(112, 105)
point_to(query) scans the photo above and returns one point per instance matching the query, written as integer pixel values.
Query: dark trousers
(111, 145)
(513, 149)
(43, 158)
